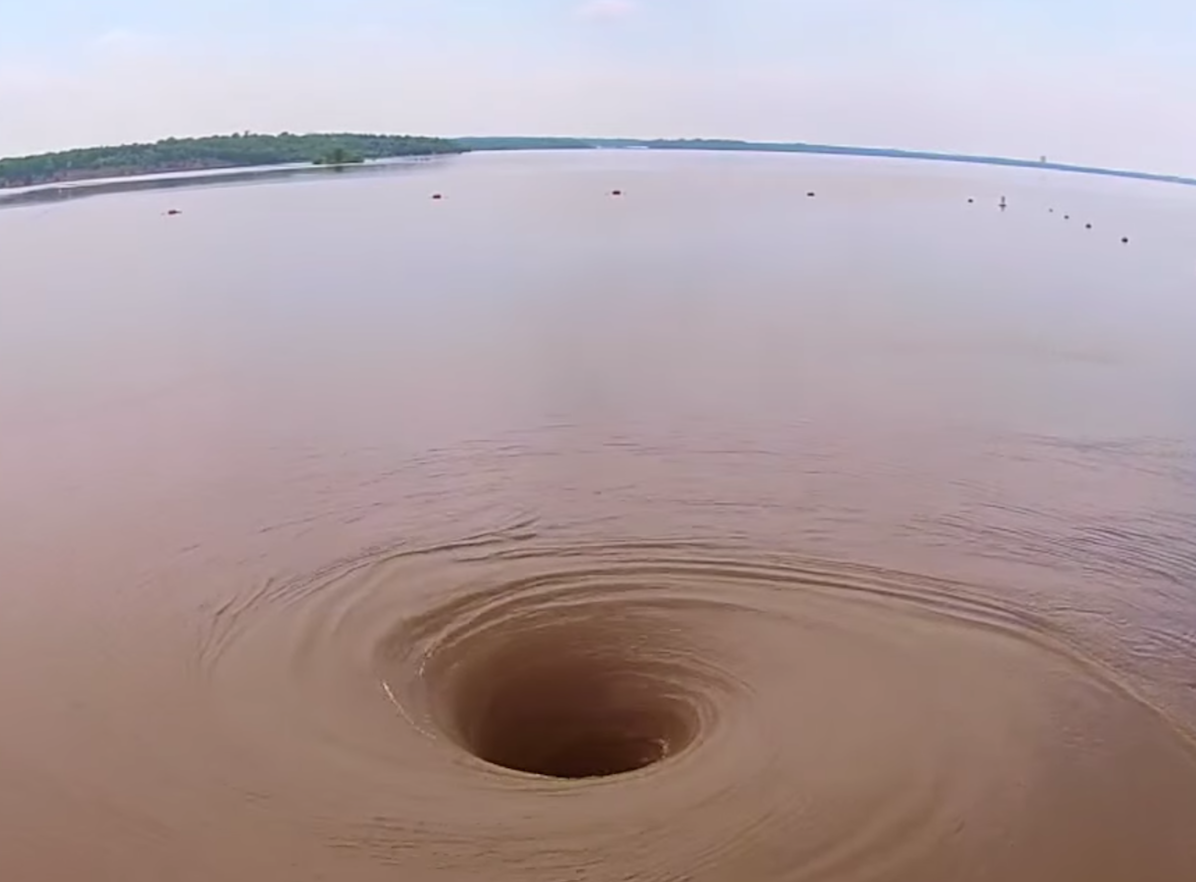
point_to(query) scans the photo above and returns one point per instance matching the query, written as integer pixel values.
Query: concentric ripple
(514, 710)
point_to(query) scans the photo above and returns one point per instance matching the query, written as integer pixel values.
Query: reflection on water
(710, 533)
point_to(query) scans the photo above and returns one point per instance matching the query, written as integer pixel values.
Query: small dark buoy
(437, 195)
(1051, 210)
(616, 192)
(1087, 226)
(1125, 240)
(1067, 217)
(970, 200)
(172, 212)
(1003, 204)
(810, 195)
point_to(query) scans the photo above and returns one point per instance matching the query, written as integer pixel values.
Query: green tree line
(219, 151)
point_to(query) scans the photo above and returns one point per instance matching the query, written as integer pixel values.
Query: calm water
(347, 534)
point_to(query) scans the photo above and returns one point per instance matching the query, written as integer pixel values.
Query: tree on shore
(338, 157)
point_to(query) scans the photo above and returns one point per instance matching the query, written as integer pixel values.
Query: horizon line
(854, 150)
(703, 144)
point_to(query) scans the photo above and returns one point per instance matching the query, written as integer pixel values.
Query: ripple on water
(679, 711)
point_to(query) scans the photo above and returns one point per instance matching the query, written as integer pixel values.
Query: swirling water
(711, 532)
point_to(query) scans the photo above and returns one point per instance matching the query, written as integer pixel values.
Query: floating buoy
(1087, 226)
(437, 195)
(172, 212)
(1051, 210)
(1067, 217)
(970, 200)
(1003, 205)
(810, 195)
(1125, 240)
(616, 192)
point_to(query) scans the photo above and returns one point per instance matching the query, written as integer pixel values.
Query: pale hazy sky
(1110, 82)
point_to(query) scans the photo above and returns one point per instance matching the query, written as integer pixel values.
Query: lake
(715, 531)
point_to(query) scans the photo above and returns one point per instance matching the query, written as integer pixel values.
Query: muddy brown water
(711, 533)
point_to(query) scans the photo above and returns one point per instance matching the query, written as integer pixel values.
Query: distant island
(217, 152)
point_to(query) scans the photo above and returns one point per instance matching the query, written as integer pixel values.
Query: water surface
(348, 534)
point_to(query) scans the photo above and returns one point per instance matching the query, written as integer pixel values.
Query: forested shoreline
(245, 150)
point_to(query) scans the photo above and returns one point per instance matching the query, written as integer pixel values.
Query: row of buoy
(438, 196)
(1003, 204)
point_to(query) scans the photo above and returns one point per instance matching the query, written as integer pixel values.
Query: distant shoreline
(189, 155)
(717, 145)
(288, 155)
